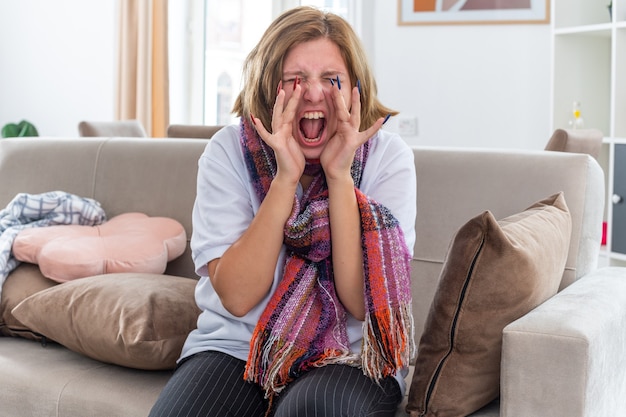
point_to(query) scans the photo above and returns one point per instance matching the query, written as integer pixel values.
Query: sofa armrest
(567, 357)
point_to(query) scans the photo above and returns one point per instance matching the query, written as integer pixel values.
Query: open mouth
(312, 126)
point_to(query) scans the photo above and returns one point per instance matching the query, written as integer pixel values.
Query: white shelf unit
(589, 66)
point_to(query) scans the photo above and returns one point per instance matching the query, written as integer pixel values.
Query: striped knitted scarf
(304, 324)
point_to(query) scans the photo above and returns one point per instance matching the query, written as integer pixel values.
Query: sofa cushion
(24, 281)
(494, 273)
(130, 242)
(130, 319)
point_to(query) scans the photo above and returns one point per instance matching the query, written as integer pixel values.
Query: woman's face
(315, 63)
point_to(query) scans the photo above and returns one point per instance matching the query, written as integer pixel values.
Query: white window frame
(188, 96)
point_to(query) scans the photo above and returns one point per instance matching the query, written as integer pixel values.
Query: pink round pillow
(130, 242)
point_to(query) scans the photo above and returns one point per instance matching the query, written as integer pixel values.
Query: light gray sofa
(565, 358)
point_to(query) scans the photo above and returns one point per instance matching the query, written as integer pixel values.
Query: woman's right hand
(289, 157)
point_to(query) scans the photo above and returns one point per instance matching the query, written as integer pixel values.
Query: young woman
(303, 231)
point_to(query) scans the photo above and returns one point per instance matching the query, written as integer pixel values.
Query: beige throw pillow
(24, 281)
(494, 273)
(129, 319)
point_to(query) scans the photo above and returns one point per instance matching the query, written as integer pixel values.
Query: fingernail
(280, 86)
(387, 118)
(252, 117)
(296, 81)
(332, 82)
(358, 85)
(338, 83)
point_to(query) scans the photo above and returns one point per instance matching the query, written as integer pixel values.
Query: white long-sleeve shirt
(225, 204)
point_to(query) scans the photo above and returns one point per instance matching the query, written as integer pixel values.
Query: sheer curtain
(142, 76)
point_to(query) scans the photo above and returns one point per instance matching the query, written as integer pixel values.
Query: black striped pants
(211, 384)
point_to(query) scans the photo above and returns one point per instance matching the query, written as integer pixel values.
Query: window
(232, 28)
(225, 99)
(209, 40)
(339, 7)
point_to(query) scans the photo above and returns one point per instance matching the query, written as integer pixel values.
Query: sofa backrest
(455, 185)
(158, 177)
(152, 176)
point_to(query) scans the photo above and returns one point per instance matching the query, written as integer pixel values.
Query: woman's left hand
(337, 156)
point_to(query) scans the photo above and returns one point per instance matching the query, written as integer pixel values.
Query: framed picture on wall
(449, 12)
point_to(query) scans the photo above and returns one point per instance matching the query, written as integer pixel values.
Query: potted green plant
(23, 128)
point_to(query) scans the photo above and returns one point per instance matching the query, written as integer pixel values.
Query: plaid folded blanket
(37, 210)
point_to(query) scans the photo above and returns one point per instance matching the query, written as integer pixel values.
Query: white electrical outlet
(407, 126)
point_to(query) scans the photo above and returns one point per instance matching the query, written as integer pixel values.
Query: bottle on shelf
(578, 122)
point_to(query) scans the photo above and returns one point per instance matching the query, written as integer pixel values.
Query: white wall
(57, 63)
(466, 85)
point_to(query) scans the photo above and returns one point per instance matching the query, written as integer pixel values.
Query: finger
(343, 113)
(290, 109)
(355, 111)
(261, 130)
(371, 131)
(277, 112)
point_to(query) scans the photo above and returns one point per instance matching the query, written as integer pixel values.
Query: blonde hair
(262, 69)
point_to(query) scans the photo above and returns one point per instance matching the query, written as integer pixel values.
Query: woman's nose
(315, 90)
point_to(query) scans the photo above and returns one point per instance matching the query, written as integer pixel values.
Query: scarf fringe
(388, 342)
(271, 363)
(388, 345)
